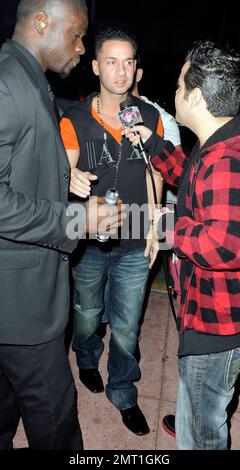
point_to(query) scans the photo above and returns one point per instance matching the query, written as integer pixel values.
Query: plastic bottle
(111, 197)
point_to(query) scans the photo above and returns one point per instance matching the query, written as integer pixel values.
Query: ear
(195, 97)
(95, 67)
(139, 75)
(41, 21)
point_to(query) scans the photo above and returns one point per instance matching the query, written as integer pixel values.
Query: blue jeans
(206, 387)
(127, 275)
(105, 316)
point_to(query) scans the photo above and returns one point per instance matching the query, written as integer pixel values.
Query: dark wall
(7, 18)
(165, 31)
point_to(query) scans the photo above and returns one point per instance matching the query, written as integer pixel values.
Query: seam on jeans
(197, 419)
(227, 369)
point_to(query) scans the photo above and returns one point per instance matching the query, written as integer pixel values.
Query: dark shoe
(102, 330)
(135, 420)
(92, 379)
(168, 424)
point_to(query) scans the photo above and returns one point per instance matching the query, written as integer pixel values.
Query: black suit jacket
(34, 182)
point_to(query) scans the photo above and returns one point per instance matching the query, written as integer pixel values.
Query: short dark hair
(111, 33)
(216, 71)
(27, 8)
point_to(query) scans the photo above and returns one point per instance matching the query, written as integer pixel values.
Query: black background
(165, 31)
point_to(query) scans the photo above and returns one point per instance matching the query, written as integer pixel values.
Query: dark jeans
(36, 384)
(127, 275)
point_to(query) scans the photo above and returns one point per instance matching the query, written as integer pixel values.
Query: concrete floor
(101, 423)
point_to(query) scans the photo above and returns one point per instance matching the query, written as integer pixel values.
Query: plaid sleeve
(213, 241)
(169, 160)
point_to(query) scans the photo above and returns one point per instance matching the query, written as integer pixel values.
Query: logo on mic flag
(130, 116)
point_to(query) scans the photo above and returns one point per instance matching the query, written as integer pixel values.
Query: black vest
(117, 166)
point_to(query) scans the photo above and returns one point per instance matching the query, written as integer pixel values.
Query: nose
(80, 49)
(121, 68)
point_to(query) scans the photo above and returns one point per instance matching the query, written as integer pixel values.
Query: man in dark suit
(36, 382)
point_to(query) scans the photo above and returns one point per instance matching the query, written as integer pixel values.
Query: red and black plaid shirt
(208, 235)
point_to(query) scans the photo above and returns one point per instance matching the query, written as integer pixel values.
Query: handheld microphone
(130, 116)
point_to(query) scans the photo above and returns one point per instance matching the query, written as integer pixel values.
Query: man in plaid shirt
(207, 239)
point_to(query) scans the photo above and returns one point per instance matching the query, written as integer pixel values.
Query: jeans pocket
(232, 368)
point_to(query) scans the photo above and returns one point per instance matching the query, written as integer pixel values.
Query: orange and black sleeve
(68, 135)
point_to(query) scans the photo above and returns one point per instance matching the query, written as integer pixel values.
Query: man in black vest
(91, 133)
(36, 382)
